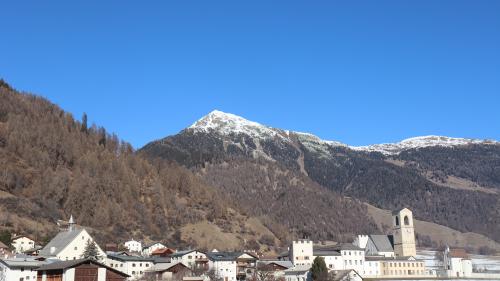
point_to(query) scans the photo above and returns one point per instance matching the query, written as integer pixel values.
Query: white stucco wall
(22, 244)
(7, 274)
(74, 250)
(224, 269)
(302, 252)
(135, 269)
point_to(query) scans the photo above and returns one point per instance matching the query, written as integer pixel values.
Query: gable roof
(21, 236)
(161, 267)
(60, 241)
(182, 253)
(223, 256)
(152, 244)
(383, 243)
(458, 253)
(298, 269)
(128, 257)
(340, 274)
(283, 264)
(74, 263)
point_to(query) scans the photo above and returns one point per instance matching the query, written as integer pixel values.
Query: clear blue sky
(360, 72)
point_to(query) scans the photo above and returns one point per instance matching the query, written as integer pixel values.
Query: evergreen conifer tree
(91, 251)
(319, 272)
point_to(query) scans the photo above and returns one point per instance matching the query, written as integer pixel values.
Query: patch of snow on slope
(316, 144)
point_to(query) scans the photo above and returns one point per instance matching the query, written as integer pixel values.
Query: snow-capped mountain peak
(227, 124)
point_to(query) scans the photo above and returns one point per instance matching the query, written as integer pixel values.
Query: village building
(298, 273)
(70, 244)
(134, 266)
(403, 267)
(151, 247)
(457, 263)
(246, 264)
(21, 243)
(191, 258)
(133, 246)
(20, 268)
(276, 268)
(346, 275)
(168, 271)
(223, 265)
(81, 269)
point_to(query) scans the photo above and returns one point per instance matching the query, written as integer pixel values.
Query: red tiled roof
(458, 253)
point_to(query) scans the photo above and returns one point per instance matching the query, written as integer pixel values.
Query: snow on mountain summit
(419, 142)
(229, 124)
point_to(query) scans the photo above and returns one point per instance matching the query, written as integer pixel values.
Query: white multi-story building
(151, 247)
(301, 252)
(19, 269)
(70, 244)
(22, 243)
(223, 264)
(191, 258)
(135, 266)
(457, 263)
(133, 246)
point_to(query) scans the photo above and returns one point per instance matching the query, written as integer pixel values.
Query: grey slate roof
(123, 258)
(382, 243)
(60, 242)
(347, 246)
(223, 256)
(22, 262)
(181, 253)
(161, 267)
(285, 264)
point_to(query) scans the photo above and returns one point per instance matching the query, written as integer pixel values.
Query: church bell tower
(404, 234)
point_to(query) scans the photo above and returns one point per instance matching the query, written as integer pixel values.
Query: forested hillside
(54, 166)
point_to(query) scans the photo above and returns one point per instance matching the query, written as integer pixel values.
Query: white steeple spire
(71, 223)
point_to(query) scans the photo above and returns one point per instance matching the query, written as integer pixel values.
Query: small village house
(21, 243)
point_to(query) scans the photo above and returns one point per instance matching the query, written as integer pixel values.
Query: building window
(407, 220)
(397, 221)
(133, 265)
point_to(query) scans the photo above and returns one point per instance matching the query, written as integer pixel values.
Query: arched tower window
(397, 221)
(407, 221)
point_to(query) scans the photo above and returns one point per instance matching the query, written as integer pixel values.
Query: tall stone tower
(404, 234)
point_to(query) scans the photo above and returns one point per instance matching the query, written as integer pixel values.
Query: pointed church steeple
(71, 223)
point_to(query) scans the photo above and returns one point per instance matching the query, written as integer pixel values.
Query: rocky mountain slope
(450, 181)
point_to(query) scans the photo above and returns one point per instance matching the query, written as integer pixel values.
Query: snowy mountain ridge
(227, 124)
